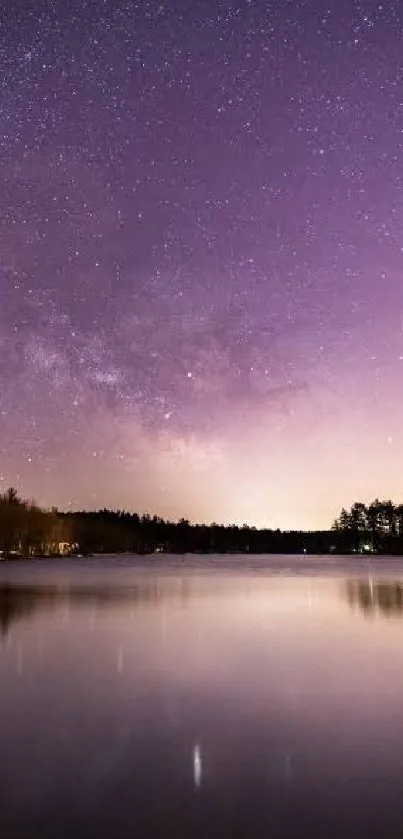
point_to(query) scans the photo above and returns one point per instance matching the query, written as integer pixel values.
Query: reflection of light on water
(197, 766)
(163, 626)
(66, 615)
(39, 643)
(120, 661)
(20, 661)
(288, 768)
(282, 766)
(311, 596)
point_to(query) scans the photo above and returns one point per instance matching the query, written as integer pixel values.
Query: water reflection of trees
(383, 598)
(23, 601)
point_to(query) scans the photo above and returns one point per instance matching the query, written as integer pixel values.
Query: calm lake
(201, 697)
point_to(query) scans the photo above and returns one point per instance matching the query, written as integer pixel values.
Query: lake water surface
(201, 697)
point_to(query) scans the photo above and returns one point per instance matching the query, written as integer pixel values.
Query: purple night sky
(201, 256)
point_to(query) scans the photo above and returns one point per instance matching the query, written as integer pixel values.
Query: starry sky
(201, 256)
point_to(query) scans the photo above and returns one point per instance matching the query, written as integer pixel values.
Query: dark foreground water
(192, 698)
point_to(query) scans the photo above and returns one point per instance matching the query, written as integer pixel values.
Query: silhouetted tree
(26, 529)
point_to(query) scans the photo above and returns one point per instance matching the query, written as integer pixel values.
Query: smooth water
(193, 697)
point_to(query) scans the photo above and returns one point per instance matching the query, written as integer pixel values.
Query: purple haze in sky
(201, 253)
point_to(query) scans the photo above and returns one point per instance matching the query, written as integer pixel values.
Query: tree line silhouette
(377, 528)
(28, 530)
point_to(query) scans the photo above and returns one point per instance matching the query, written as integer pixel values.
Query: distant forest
(28, 530)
